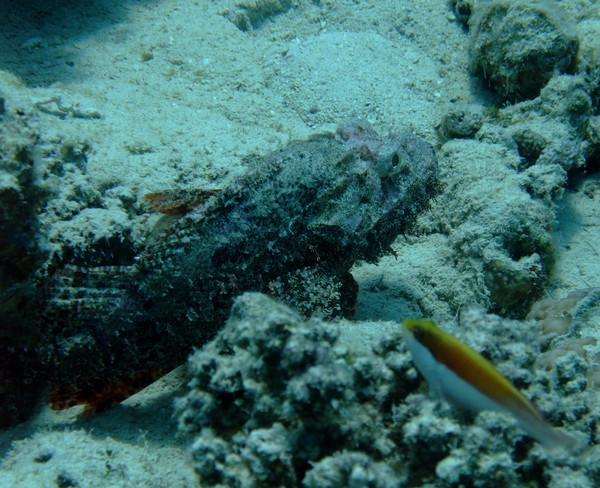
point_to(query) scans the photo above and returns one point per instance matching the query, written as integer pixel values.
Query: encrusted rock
(21, 253)
(289, 402)
(275, 400)
(461, 122)
(517, 46)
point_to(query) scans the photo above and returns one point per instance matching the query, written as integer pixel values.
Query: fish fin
(178, 203)
(551, 438)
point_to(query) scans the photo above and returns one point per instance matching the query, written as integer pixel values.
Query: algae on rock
(517, 46)
(274, 399)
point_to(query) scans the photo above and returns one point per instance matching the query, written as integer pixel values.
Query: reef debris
(277, 400)
(517, 46)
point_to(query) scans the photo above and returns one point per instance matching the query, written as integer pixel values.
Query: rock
(517, 46)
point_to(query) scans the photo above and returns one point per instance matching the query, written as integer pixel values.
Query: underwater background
(215, 215)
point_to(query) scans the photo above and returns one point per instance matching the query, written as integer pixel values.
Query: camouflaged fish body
(292, 228)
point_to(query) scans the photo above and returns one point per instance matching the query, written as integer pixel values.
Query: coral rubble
(517, 46)
(289, 397)
(21, 254)
(277, 400)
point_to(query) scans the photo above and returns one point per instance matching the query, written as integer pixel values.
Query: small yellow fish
(466, 378)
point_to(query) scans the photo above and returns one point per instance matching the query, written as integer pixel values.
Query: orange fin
(178, 203)
(98, 396)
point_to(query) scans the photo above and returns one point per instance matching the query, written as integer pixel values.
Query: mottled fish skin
(318, 205)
